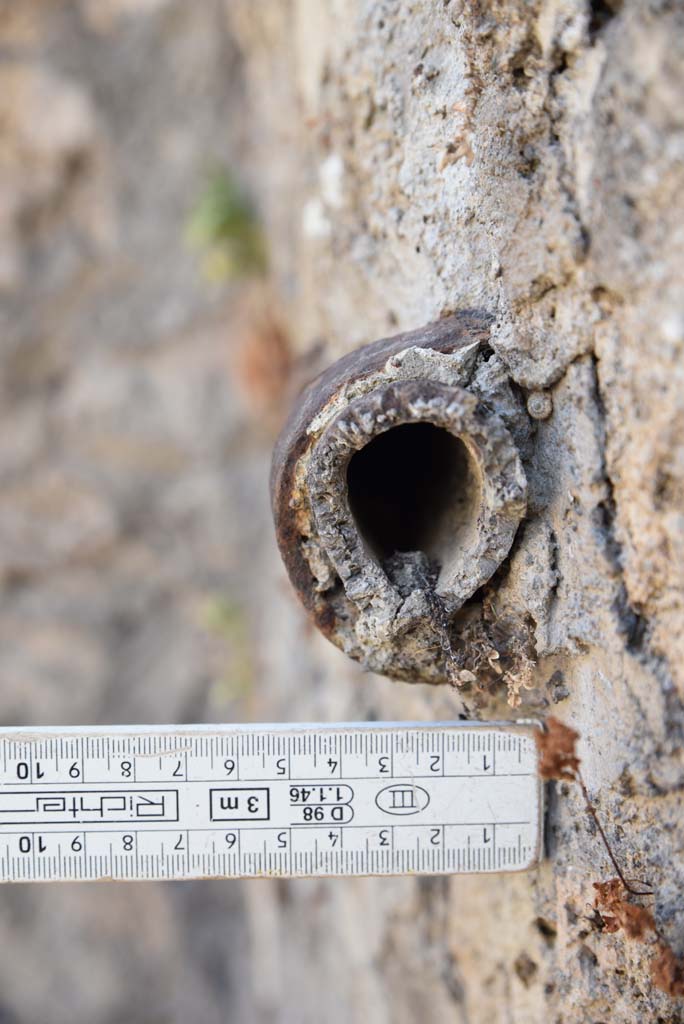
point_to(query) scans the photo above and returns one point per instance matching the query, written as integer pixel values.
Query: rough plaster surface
(526, 159)
(409, 159)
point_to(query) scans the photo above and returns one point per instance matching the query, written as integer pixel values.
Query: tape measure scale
(137, 802)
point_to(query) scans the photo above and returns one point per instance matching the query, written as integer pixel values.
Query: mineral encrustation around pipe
(397, 490)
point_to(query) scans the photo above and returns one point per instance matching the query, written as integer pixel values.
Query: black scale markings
(232, 801)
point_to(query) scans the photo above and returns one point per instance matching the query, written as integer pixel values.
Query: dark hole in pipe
(412, 488)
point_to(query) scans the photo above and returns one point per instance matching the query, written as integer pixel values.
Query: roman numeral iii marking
(136, 802)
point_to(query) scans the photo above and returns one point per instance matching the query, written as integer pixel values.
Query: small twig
(604, 837)
(558, 759)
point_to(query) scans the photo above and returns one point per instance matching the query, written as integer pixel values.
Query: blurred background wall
(203, 203)
(144, 369)
(132, 503)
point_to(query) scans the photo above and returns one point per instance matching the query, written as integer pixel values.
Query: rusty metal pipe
(397, 489)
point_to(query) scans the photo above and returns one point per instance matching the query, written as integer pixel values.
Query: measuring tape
(222, 801)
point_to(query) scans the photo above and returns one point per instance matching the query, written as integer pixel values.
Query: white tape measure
(137, 802)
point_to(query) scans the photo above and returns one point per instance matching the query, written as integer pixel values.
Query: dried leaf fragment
(667, 972)
(608, 894)
(667, 969)
(557, 755)
(635, 921)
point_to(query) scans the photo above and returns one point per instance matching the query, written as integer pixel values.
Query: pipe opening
(414, 488)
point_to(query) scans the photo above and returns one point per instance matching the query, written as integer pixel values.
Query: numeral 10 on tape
(136, 802)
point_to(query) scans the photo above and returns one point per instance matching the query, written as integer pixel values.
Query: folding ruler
(150, 802)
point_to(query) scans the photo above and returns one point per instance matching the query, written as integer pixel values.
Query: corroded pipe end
(397, 491)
